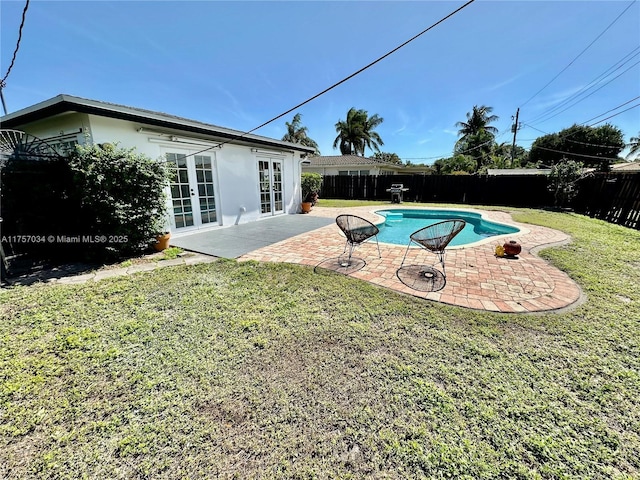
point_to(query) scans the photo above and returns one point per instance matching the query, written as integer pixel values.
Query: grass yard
(251, 370)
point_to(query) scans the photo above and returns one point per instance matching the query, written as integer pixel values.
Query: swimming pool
(399, 224)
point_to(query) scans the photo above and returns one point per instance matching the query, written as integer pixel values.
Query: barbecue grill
(396, 190)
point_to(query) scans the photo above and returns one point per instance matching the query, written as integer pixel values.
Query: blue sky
(239, 64)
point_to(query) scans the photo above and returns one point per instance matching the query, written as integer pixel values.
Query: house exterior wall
(65, 127)
(235, 167)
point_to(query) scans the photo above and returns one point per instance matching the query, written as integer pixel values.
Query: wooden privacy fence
(613, 197)
(516, 190)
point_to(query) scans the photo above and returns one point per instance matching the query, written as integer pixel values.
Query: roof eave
(65, 103)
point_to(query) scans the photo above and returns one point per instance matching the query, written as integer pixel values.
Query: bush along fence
(609, 196)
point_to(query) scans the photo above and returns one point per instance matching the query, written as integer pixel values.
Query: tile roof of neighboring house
(348, 160)
(626, 167)
(67, 103)
(518, 171)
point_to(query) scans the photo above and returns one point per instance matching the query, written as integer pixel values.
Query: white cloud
(504, 83)
(556, 98)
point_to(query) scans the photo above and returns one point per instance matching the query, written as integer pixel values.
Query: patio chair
(435, 239)
(357, 230)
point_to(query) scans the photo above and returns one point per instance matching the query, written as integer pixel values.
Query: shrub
(563, 180)
(310, 184)
(121, 196)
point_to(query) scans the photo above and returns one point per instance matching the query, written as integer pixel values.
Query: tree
(563, 179)
(388, 157)
(477, 146)
(296, 133)
(502, 156)
(478, 120)
(634, 144)
(356, 133)
(593, 146)
(477, 136)
(455, 165)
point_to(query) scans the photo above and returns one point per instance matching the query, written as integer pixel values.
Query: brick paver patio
(476, 278)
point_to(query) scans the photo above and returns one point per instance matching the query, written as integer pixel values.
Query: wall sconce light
(267, 152)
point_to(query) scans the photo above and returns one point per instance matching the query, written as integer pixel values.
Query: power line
(615, 114)
(464, 152)
(611, 110)
(577, 154)
(580, 54)
(537, 129)
(13, 59)
(584, 98)
(15, 52)
(244, 134)
(566, 137)
(593, 118)
(541, 117)
(614, 67)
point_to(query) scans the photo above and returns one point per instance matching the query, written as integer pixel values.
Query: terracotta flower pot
(512, 248)
(306, 207)
(162, 242)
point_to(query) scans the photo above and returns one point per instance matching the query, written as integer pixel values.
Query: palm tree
(634, 143)
(478, 120)
(356, 133)
(296, 133)
(477, 136)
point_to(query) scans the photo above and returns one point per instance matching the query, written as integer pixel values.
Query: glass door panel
(265, 186)
(270, 184)
(180, 191)
(192, 190)
(204, 180)
(278, 203)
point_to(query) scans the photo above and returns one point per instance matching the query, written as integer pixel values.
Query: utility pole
(514, 129)
(4, 105)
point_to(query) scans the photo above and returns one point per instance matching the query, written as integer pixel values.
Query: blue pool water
(401, 223)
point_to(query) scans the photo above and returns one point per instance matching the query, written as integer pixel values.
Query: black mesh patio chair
(357, 230)
(435, 238)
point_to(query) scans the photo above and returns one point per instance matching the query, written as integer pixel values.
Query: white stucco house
(223, 176)
(356, 165)
(349, 165)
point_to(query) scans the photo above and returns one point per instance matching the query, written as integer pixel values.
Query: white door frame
(196, 205)
(270, 185)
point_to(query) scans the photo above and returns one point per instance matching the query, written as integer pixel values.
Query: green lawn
(251, 370)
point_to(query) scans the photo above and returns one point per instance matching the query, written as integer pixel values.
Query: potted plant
(162, 241)
(310, 184)
(163, 236)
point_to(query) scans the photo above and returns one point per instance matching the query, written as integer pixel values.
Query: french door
(192, 191)
(270, 184)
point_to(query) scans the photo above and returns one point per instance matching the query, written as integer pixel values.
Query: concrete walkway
(237, 240)
(73, 274)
